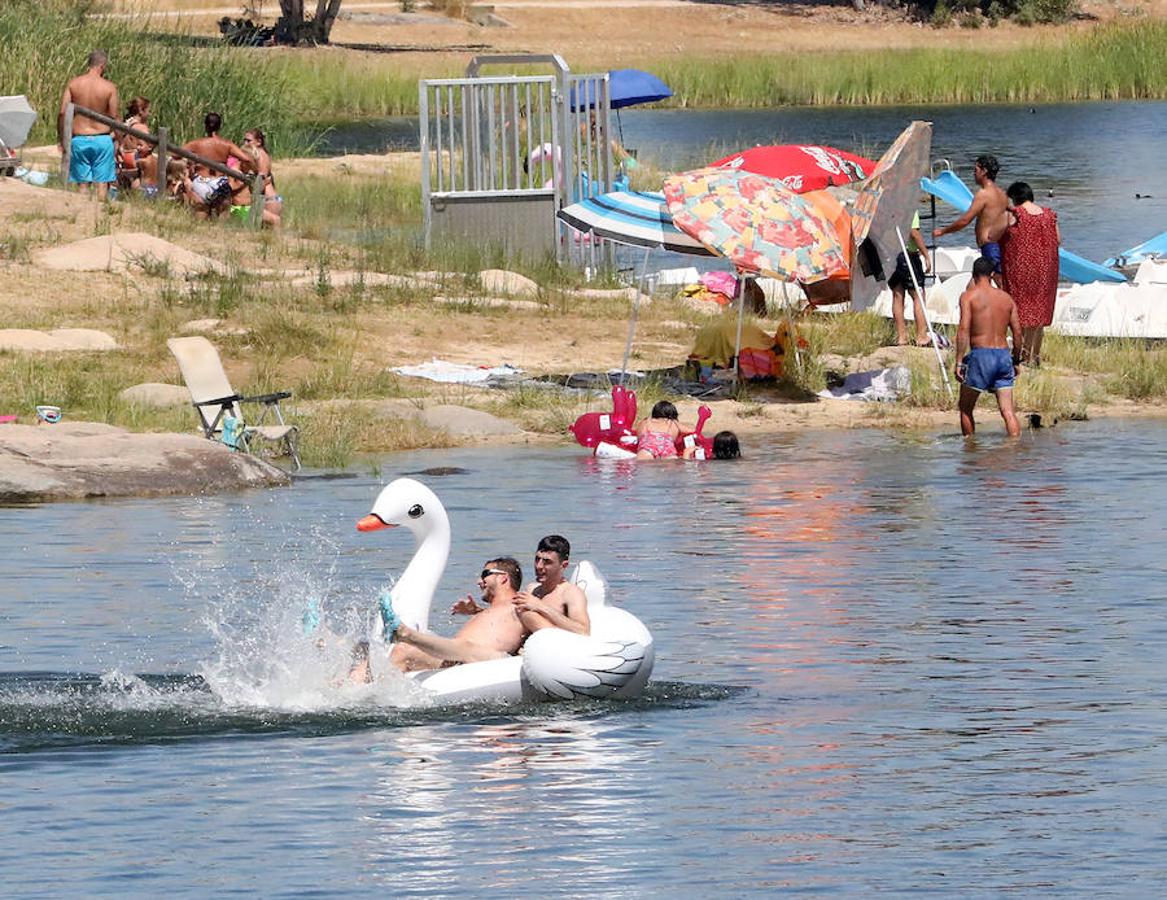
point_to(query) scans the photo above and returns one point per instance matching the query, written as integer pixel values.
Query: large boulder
(500, 281)
(57, 340)
(77, 460)
(126, 252)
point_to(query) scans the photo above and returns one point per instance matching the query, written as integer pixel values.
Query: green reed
(1125, 60)
(1120, 61)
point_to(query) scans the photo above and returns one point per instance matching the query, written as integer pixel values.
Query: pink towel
(721, 282)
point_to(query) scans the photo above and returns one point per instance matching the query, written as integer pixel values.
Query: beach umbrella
(803, 167)
(757, 223)
(626, 87)
(638, 218)
(16, 120)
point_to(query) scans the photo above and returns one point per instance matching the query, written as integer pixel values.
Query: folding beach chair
(218, 406)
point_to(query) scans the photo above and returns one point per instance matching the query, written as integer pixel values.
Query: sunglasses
(486, 573)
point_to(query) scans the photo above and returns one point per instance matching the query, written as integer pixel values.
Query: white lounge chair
(217, 403)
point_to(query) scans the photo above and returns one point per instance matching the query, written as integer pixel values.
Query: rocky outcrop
(58, 340)
(79, 460)
(126, 252)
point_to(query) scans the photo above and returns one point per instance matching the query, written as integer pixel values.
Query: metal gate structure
(501, 154)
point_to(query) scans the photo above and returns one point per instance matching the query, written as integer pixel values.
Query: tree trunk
(326, 12)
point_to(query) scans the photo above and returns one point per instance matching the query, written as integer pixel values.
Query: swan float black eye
(415, 511)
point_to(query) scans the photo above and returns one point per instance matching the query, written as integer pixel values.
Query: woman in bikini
(659, 432)
(255, 143)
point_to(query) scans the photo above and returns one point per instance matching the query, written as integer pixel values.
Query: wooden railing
(162, 141)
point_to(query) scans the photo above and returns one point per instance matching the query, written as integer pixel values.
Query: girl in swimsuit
(659, 432)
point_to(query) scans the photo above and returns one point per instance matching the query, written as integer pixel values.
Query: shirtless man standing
(986, 312)
(552, 602)
(212, 190)
(495, 633)
(989, 208)
(91, 146)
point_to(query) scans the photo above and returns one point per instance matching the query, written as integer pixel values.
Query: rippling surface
(885, 662)
(1094, 156)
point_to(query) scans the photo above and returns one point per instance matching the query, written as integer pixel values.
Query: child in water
(725, 446)
(659, 432)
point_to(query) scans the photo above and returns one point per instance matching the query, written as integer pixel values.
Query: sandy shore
(545, 334)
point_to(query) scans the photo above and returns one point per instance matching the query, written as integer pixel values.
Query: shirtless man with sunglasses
(495, 633)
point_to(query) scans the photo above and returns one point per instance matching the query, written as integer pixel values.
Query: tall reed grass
(1125, 60)
(1111, 62)
(46, 42)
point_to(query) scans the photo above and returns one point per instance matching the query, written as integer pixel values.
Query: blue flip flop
(390, 622)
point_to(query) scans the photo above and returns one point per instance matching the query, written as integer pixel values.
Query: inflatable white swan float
(614, 661)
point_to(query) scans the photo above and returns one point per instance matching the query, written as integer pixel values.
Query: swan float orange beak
(372, 522)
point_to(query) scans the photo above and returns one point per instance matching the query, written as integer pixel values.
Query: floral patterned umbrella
(757, 223)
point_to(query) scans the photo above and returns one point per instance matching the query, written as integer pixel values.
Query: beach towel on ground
(456, 373)
(877, 384)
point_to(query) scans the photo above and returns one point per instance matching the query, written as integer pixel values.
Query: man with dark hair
(212, 190)
(552, 602)
(496, 633)
(92, 158)
(990, 209)
(985, 362)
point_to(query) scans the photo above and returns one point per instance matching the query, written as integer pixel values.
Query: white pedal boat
(614, 661)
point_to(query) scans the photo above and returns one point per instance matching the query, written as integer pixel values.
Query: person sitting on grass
(255, 143)
(210, 191)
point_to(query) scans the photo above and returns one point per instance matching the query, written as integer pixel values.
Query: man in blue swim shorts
(985, 362)
(91, 146)
(989, 207)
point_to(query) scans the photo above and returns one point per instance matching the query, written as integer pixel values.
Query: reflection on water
(897, 662)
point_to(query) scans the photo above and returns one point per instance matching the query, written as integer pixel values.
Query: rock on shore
(78, 460)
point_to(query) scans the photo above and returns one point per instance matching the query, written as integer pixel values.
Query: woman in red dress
(1029, 266)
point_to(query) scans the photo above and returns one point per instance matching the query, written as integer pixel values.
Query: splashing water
(265, 659)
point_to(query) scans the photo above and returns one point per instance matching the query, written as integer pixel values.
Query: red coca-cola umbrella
(803, 167)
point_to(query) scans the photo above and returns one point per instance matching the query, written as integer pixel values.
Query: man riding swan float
(578, 645)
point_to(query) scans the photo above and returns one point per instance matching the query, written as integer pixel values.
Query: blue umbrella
(626, 87)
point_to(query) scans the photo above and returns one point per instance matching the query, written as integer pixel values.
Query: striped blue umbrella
(639, 218)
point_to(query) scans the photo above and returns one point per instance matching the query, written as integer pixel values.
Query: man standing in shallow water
(92, 158)
(990, 209)
(986, 312)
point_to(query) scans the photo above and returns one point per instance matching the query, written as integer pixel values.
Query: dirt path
(627, 32)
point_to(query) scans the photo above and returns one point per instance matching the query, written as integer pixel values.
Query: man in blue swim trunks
(984, 360)
(91, 147)
(989, 207)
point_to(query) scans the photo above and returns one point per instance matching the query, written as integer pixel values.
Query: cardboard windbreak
(888, 200)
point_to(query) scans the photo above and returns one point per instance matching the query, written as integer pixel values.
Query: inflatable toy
(610, 436)
(614, 661)
(615, 427)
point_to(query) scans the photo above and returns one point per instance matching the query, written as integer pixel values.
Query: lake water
(1094, 156)
(886, 662)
